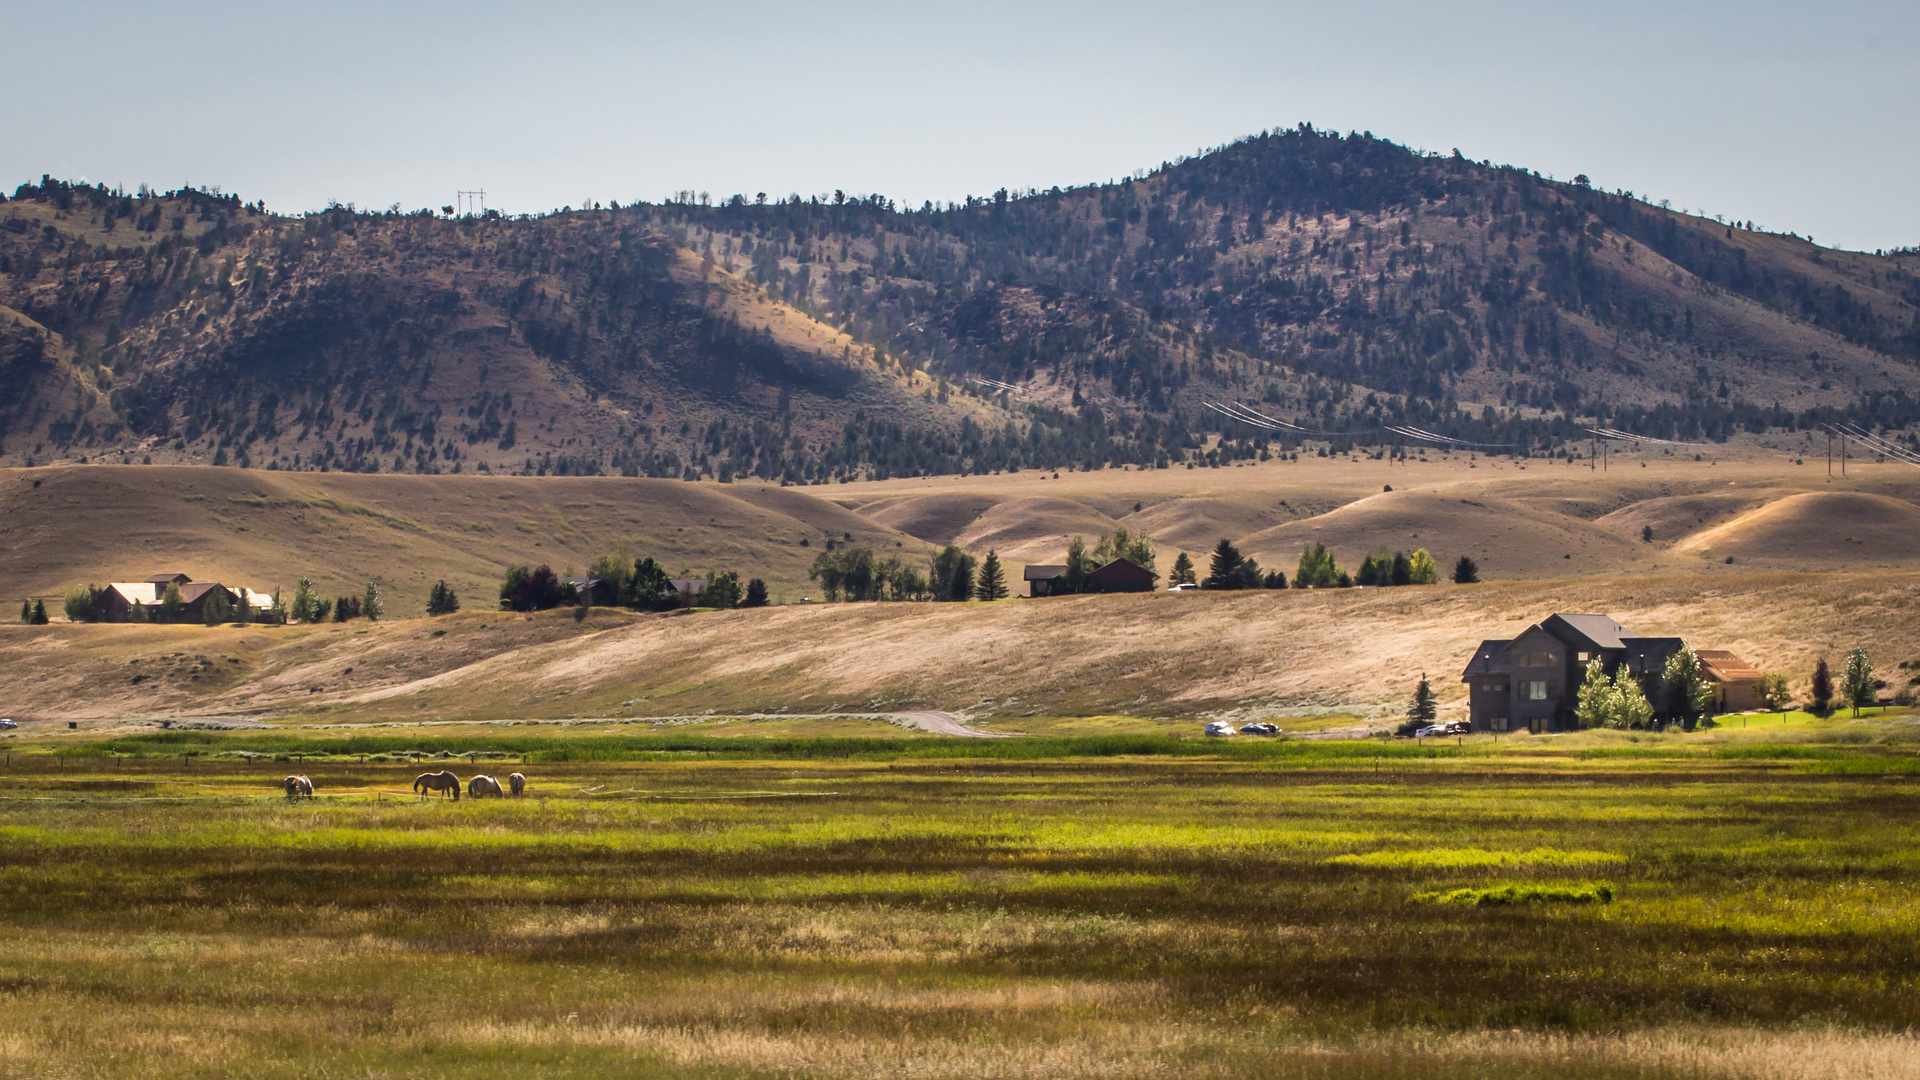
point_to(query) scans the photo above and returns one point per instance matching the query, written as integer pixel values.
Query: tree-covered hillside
(1339, 283)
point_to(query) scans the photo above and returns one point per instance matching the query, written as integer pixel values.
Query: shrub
(1597, 893)
(1771, 689)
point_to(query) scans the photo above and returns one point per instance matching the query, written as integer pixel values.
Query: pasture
(926, 908)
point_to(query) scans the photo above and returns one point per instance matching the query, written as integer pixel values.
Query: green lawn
(1713, 905)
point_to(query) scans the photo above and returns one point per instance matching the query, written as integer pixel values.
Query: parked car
(1261, 728)
(7, 725)
(1184, 586)
(1219, 729)
(1430, 731)
(1459, 727)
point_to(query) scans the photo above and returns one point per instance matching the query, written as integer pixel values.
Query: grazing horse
(429, 782)
(297, 786)
(517, 784)
(483, 785)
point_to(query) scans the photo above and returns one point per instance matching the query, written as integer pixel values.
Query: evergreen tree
(306, 606)
(1274, 579)
(215, 609)
(1856, 681)
(138, 613)
(993, 581)
(1401, 571)
(171, 603)
(1466, 571)
(1182, 571)
(1374, 570)
(26, 611)
(1688, 692)
(342, 609)
(39, 613)
(1821, 691)
(1223, 571)
(277, 613)
(756, 594)
(951, 574)
(1424, 709)
(370, 605)
(1423, 571)
(441, 599)
(1317, 569)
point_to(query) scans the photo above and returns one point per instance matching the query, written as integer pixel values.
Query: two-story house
(1530, 682)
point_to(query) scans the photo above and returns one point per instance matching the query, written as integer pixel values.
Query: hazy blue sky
(1799, 116)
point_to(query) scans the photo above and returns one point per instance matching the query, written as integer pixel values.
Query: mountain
(1340, 283)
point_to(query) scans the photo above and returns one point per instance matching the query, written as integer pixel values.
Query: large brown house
(1530, 683)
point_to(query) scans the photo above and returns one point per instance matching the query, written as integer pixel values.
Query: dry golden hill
(937, 519)
(1802, 531)
(1158, 654)
(1033, 529)
(59, 526)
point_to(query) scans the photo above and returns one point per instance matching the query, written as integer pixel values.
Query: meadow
(935, 908)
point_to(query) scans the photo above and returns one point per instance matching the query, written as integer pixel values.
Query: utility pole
(1829, 454)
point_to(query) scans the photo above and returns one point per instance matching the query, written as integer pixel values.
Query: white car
(7, 725)
(1185, 586)
(1220, 729)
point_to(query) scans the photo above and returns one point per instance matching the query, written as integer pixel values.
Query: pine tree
(1401, 570)
(1182, 571)
(1822, 690)
(441, 599)
(306, 607)
(39, 613)
(1466, 571)
(26, 611)
(1079, 565)
(1223, 571)
(993, 581)
(370, 605)
(215, 610)
(171, 603)
(1424, 708)
(756, 594)
(1856, 681)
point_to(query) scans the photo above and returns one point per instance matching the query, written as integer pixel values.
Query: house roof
(582, 582)
(1044, 571)
(136, 592)
(194, 590)
(258, 598)
(1599, 629)
(687, 584)
(1723, 666)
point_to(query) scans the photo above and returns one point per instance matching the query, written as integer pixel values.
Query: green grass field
(679, 906)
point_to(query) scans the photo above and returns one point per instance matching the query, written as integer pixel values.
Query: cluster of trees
(33, 612)
(308, 606)
(1122, 543)
(1858, 688)
(855, 573)
(620, 580)
(1317, 569)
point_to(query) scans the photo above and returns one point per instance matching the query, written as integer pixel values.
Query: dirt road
(944, 724)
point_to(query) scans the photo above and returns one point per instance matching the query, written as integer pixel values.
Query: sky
(1798, 116)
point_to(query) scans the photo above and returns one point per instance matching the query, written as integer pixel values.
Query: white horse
(517, 784)
(483, 785)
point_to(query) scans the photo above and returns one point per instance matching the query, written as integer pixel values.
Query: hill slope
(1339, 283)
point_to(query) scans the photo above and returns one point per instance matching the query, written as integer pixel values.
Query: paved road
(942, 724)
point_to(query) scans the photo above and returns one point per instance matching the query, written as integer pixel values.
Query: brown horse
(429, 782)
(517, 784)
(297, 786)
(483, 785)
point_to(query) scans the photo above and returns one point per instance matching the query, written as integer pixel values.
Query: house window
(1537, 659)
(1582, 657)
(1537, 690)
(1499, 723)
